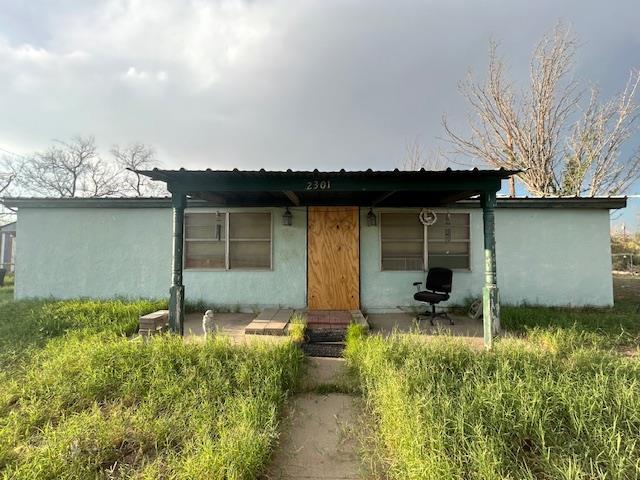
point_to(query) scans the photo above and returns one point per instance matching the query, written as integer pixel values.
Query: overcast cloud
(275, 84)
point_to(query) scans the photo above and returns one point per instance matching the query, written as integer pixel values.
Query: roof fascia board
(332, 185)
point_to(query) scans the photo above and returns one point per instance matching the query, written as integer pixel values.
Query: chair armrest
(417, 285)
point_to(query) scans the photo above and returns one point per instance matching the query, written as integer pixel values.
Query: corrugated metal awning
(361, 188)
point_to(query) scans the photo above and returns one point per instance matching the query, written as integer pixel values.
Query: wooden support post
(176, 299)
(490, 294)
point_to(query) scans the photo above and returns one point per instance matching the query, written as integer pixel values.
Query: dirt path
(318, 440)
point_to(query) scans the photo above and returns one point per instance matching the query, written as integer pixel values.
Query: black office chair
(437, 289)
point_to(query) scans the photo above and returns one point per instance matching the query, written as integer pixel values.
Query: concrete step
(323, 349)
(325, 335)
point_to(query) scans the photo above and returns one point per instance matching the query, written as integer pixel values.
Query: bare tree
(136, 156)
(531, 130)
(70, 169)
(416, 158)
(593, 165)
(7, 176)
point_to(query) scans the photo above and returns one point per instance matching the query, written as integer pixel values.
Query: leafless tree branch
(136, 156)
(531, 130)
(416, 158)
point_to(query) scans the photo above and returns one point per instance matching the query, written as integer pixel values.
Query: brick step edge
(316, 336)
(332, 350)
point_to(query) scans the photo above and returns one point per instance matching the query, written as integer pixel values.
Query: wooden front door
(333, 263)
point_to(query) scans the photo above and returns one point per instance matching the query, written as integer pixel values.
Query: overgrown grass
(606, 328)
(441, 410)
(79, 399)
(297, 327)
(28, 325)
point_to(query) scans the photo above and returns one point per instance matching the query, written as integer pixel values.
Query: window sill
(459, 270)
(228, 270)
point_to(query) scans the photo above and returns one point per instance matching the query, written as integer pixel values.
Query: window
(205, 240)
(402, 242)
(448, 241)
(228, 240)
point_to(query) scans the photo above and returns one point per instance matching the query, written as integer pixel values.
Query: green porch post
(176, 299)
(490, 296)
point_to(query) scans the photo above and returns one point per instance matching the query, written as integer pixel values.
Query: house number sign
(319, 185)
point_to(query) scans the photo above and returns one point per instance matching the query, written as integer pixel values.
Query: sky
(277, 84)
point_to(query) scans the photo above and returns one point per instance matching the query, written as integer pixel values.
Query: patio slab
(270, 321)
(231, 325)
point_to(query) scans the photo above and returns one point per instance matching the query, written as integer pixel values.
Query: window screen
(448, 241)
(402, 241)
(205, 240)
(247, 245)
(249, 240)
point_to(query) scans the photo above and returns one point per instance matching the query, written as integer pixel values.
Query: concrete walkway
(318, 439)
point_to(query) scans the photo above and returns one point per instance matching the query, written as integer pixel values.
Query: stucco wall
(93, 252)
(107, 252)
(544, 256)
(285, 285)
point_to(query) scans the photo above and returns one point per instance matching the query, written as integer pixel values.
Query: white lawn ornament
(208, 323)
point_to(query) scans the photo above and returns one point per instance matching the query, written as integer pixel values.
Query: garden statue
(208, 323)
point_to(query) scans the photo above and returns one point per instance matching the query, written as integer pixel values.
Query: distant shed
(8, 246)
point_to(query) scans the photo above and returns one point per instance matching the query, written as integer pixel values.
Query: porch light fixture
(372, 220)
(287, 218)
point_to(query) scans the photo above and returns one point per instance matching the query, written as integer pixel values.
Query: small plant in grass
(355, 332)
(297, 328)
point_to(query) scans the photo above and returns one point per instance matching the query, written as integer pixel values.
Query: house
(321, 240)
(8, 246)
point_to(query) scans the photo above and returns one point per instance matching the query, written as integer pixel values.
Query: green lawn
(559, 400)
(617, 327)
(81, 400)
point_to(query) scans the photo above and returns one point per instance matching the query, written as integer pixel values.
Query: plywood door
(333, 258)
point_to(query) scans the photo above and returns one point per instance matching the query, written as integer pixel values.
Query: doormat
(329, 318)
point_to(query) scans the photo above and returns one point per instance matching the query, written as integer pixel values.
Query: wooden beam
(382, 198)
(212, 198)
(325, 184)
(293, 197)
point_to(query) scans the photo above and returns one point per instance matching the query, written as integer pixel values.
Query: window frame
(425, 260)
(226, 212)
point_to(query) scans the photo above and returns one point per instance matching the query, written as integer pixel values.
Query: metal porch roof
(604, 203)
(394, 188)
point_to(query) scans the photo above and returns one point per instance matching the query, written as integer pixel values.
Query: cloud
(142, 75)
(275, 84)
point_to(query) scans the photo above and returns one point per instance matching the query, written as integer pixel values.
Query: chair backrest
(439, 279)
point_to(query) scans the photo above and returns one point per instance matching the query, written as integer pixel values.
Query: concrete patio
(233, 326)
(230, 325)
